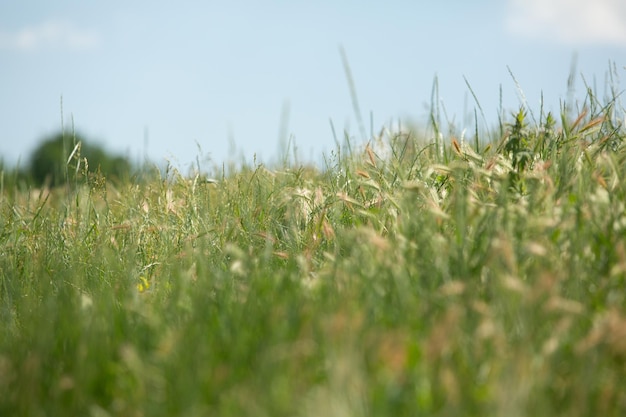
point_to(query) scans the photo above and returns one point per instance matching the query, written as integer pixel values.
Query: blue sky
(216, 73)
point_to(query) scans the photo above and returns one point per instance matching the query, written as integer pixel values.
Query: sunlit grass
(405, 277)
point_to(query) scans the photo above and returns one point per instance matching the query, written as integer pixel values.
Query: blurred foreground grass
(406, 278)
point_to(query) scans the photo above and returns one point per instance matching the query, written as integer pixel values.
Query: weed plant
(402, 278)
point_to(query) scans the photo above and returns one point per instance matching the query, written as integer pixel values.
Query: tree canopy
(56, 159)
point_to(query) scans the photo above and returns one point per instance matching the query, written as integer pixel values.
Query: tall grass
(433, 280)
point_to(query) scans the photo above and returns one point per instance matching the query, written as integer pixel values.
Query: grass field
(434, 276)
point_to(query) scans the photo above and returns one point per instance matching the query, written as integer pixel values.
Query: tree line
(62, 158)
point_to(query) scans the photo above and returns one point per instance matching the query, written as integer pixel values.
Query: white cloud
(572, 22)
(49, 34)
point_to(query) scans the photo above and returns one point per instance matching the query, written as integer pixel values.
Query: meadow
(410, 275)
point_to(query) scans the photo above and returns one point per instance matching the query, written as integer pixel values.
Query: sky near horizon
(217, 80)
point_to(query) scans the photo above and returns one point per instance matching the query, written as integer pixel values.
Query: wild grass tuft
(412, 275)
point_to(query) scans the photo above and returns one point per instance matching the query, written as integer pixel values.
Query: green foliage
(61, 158)
(433, 280)
(517, 144)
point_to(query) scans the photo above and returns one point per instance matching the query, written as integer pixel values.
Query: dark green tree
(56, 159)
